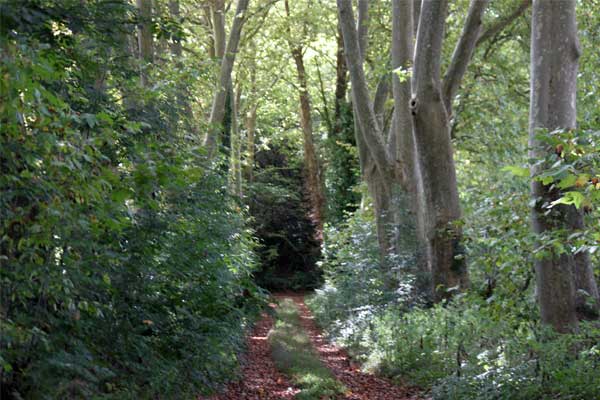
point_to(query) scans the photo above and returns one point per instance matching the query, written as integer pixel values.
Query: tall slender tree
(218, 106)
(145, 38)
(555, 56)
(311, 159)
(424, 173)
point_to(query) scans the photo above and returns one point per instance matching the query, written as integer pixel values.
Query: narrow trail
(262, 381)
(361, 385)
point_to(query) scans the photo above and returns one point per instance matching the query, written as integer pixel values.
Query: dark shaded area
(279, 207)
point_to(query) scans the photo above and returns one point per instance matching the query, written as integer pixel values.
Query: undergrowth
(486, 344)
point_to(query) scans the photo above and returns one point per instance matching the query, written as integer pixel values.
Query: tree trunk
(218, 106)
(315, 186)
(218, 20)
(554, 64)
(434, 148)
(235, 169)
(250, 132)
(463, 52)
(145, 39)
(310, 156)
(176, 47)
(373, 154)
(404, 150)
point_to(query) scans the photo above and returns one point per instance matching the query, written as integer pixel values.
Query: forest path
(262, 381)
(361, 385)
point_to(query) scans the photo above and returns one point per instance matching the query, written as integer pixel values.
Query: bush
(487, 344)
(126, 268)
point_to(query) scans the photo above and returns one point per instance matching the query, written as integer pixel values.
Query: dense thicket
(126, 266)
(280, 212)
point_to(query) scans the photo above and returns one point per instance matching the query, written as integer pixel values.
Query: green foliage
(342, 174)
(486, 344)
(126, 268)
(572, 165)
(279, 210)
(467, 350)
(294, 355)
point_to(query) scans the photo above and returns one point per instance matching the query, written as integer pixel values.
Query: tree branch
(367, 119)
(463, 51)
(430, 35)
(362, 28)
(218, 107)
(503, 22)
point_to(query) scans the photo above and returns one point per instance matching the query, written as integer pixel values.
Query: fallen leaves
(262, 381)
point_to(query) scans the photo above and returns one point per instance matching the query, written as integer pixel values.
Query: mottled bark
(145, 38)
(434, 148)
(218, 106)
(463, 52)
(555, 53)
(416, 15)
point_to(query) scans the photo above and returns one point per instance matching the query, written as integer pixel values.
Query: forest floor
(262, 381)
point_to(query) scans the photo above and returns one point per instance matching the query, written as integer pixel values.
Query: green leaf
(517, 170)
(574, 198)
(567, 182)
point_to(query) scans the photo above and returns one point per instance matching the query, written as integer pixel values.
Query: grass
(295, 356)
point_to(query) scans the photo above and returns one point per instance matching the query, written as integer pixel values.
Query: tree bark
(555, 53)
(218, 106)
(376, 166)
(404, 150)
(311, 160)
(250, 132)
(364, 108)
(235, 169)
(174, 10)
(218, 21)
(463, 52)
(434, 148)
(145, 39)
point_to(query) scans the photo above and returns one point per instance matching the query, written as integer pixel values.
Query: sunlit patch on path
(361, 385)
(260, 379)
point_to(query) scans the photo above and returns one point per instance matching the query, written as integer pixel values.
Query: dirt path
(361, 385)
(262, 381)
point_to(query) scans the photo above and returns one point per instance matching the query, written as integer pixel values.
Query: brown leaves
(262, 381)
